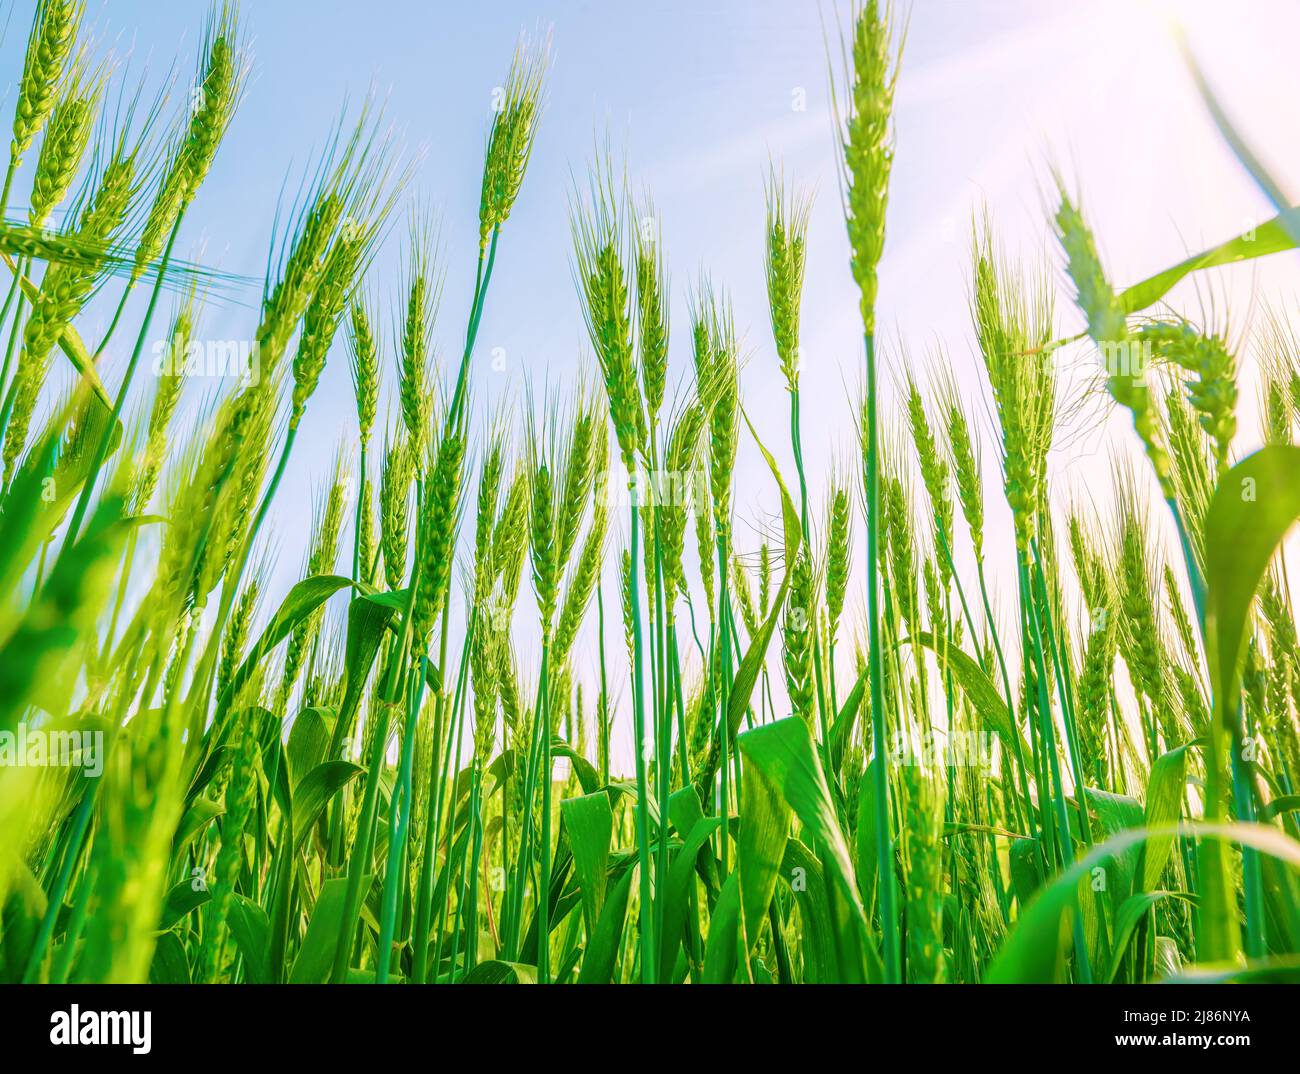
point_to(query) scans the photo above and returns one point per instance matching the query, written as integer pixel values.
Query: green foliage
(378, 773)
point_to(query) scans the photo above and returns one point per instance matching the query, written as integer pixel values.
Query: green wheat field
(1070, 755)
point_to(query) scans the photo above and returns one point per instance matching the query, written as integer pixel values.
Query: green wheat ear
(786, 251)
(1013, 317)
(683, 465)
(325, 311)
(222, 75)
(209, 106)
(238, 629)
(395, 510)
(240, 801)
(1192, 464)
(367, 539)
(964, 456)
(167, 393)
(354, 191)
(1213, 394)
(438, 528)
(723, 392)
(422, 290)
(1136, 596)
(484, 675)
(322, 556)
(1108, 327)
(922, 851)
(1278, 350)
(68, 285)
(541, 525)
(652, 299)
(625, 593)
(1094, 693)
(743, 595)
(706, 551)
(66, 138)
(491, 475)
(576, 474)
(934, 469)
(517, 110)
(511, 530)
(867, 145)
(583, 582)
(49, 46)
(363, 350)
(796, 628)
(601, 252)
(839, 542)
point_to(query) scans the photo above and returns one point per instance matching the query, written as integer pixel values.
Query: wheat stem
(101, 451)
(112, 325)
(14, 332)
(483, 276)
(648, 949)
(548, 795)
(884, 844)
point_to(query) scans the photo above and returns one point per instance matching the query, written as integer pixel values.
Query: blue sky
(700, 96)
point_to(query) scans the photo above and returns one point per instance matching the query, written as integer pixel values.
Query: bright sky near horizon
(700, 96)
